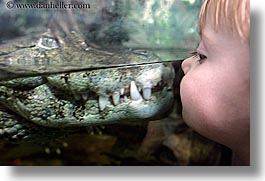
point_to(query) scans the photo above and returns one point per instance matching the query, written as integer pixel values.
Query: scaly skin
(80, 99)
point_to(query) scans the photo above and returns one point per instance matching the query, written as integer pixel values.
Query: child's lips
(178, 77)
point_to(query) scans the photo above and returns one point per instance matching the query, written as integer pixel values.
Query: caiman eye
(47, 43)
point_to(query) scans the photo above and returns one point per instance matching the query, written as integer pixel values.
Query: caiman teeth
(135, 95)
(103, 100)
(126, 99)
(76, 96)
(84, 96)
(122, 91)
(147, 93)
(116, 98)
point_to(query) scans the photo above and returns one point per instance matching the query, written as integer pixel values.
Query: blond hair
(234, 13)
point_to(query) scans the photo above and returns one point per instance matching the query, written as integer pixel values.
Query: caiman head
(131, 85)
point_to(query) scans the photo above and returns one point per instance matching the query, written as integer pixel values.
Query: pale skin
(215, 89)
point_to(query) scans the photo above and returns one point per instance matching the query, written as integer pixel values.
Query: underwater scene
(97, 82)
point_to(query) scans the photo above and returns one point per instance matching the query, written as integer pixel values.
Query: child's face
(215, 90)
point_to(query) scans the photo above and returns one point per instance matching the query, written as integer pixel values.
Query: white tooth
(77, 97)
(147, 93)
(122, 91)
(164, 90)
(84, 96)
(147, 84)
(103, 100)
(116, 98)
(126, 99)
(135, 95)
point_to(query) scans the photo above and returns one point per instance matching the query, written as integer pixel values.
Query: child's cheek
(198, 101)
(188, 97)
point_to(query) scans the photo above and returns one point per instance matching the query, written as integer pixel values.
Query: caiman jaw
(143, 87)
(96, 97)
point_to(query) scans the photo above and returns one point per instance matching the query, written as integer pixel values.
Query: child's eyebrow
(207, 40)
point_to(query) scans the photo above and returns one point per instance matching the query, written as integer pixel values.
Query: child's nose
(186, 64)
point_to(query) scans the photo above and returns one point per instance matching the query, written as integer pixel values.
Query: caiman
(103, 87)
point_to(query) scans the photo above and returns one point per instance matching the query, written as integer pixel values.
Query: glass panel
(167, 27)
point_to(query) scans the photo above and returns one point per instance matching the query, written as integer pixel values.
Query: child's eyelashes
(199, 57)
(202, 57)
